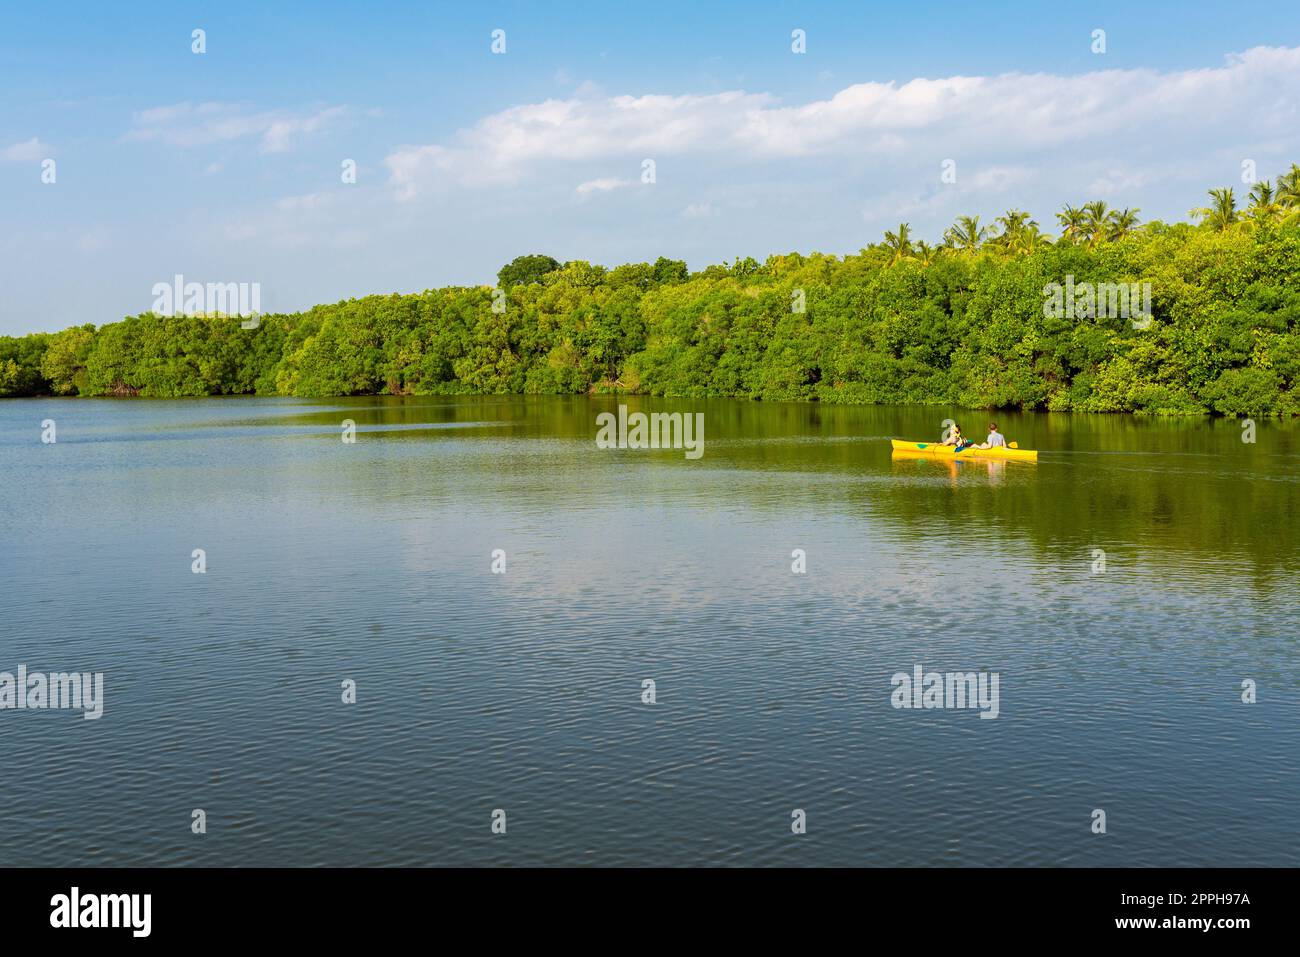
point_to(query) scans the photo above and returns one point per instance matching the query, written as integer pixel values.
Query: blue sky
(225, 166)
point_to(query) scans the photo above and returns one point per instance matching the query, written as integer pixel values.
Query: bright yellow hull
(946, 451)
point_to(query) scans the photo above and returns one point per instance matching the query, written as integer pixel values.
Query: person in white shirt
(996, 439)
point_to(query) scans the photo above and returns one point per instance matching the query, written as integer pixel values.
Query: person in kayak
(956, 440)
(996, 439)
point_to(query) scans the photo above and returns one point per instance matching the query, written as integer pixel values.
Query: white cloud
(499, 149)
(603, 185)
(999, 179)
(305, 201)
(973, 184)
(28, 151)
(308, 221)
(189, 124)
(698, 211)
(412, 168)
(1009, 115)
(1117, 181)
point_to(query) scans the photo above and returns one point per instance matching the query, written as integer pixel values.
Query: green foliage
(670, 270)
(1243, 391)
(523, 270)
(900, 322)
(64, 362)
(20, 364)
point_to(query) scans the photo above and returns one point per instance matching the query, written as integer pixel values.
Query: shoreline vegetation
(976, 322)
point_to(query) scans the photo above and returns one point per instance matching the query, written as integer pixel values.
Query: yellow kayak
(946, 451)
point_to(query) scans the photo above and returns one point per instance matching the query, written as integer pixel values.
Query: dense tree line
(902, 321)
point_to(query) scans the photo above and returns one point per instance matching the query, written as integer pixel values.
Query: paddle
(1010, 445)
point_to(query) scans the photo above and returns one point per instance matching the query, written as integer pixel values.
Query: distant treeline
(970, 322)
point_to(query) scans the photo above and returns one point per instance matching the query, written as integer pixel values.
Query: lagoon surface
(1120, 689)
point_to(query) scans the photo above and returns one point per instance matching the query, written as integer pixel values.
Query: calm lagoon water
(1119, 690)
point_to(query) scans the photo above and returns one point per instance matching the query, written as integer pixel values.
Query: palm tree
(1288, 187)
(1074, 222)
(899, 243)
(925, 253)
(1096, 216)
(1264, 204)
(1032, 239)
(1017, 230)
(1121, 222)
(1013, 220)
(1221, 214)
(1009, 225)
(966, 234)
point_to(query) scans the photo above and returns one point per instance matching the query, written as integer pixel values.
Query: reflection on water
(994, 469)
(371, 561)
